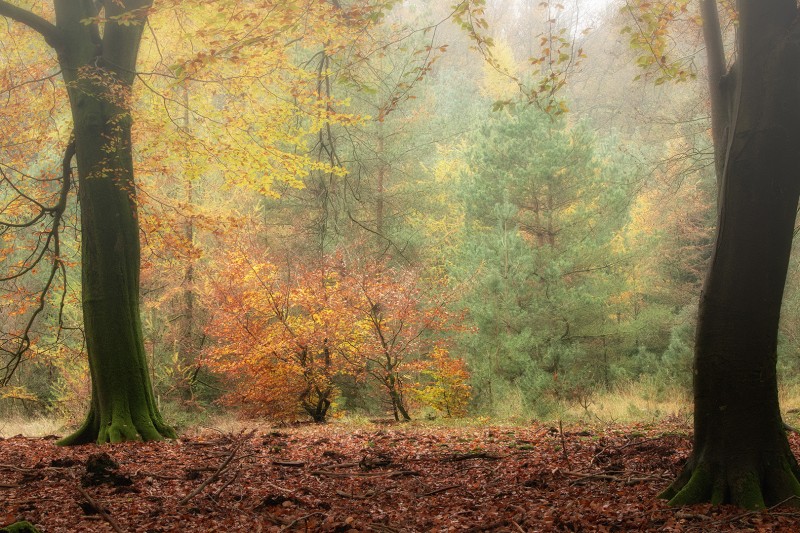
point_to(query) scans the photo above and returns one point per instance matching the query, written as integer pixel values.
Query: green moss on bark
(752, 487)
(20, 527)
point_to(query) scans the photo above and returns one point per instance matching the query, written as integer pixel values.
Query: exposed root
(748, 487)
(148, 427)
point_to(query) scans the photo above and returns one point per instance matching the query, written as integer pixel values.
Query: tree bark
(99, 72)
(741, 454)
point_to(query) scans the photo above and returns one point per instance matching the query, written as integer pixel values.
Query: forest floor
(377, 478)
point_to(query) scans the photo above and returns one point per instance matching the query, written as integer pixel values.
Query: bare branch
(52, 244)
(52, 35)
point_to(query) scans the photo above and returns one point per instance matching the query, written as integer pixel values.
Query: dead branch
(628, 479)
(228, 483)
(398, 473)
(473, 455)
(52, 244)
(302, 518)
(291, 464)
(563, 442)
(219, 471)
(101, 511)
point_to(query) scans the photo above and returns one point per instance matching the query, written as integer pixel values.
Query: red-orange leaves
(286, 336)
(280, 337)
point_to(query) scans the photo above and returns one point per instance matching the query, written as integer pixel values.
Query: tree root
(748, 487)
(149, 427)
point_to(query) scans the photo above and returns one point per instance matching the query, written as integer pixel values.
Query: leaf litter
(374, 479)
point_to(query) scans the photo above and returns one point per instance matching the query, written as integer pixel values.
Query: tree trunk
(379, 186)
(187, 347)
(99, 75)
(741, 454)
(398, 408)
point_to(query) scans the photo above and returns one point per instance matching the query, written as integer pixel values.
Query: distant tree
(97, 46)
(741, 454)
(406, 326)
(542, 207)
(281, 337)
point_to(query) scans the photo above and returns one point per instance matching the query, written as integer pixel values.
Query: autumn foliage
(285, 336)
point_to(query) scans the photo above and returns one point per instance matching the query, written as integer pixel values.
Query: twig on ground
(364, 474)
(31, 469)
(564, 450)
(467, 456)
(339, 465)
(628, 479)
(302, 518)
(215, 476)
(274, 486)
(101, 511)
(228, 483)
(439, 490)
(292, 464)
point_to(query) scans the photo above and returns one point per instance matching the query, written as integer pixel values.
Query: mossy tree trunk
(741, 454)
(99, 70)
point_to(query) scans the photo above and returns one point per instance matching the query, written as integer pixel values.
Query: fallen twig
(101, 511)
(564, 450)
(293, 464)
(296, 520)
(472, 455)
(439, 490)
(31, 468)
(364, 474)
(213, 477)
(228, 483)
(629, 479)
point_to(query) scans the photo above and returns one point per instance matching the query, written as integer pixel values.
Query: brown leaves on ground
(395, 478)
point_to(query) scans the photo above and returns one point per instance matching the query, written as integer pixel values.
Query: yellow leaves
(242, 96)
(499, 78)
(17, 393)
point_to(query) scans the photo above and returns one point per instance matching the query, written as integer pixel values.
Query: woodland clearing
(377, 477)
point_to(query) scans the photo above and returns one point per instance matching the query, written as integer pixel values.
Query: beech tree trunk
(99, 71)
(741, 454)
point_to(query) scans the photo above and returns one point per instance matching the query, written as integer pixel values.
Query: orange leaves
(286, 336)
(281, 336)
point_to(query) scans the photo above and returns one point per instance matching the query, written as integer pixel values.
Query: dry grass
(634, 402)
(31, 427)
(640, 401)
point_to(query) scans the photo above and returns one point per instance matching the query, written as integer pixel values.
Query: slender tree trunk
(396, 397)
(187, 347)
(99, 74)
(741, 454)
(379, 186)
